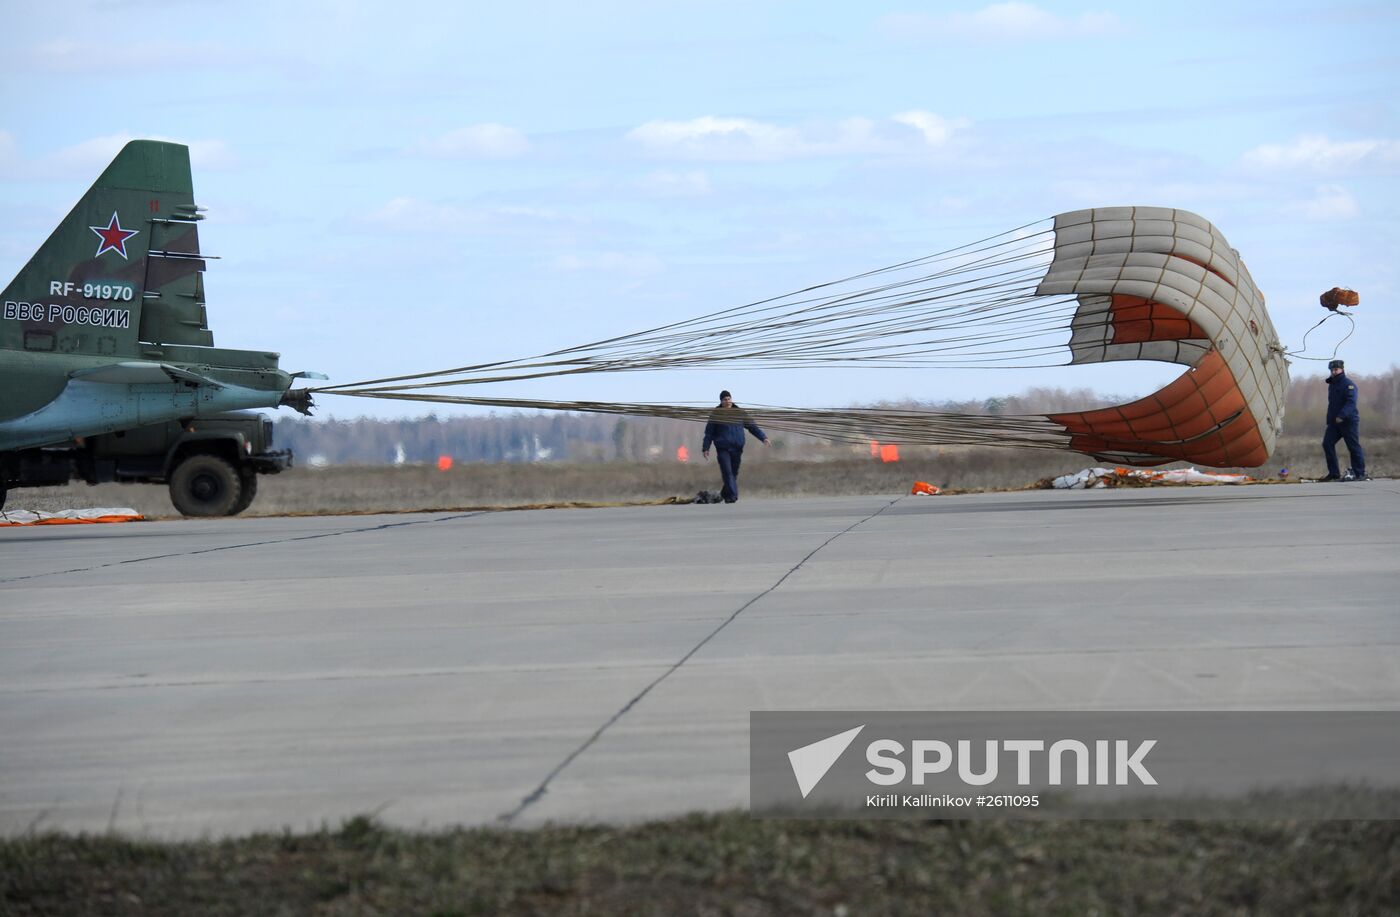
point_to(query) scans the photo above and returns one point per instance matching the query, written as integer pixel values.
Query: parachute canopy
(1156, 284)
(1091, 286)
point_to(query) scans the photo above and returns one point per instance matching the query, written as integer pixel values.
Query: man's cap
(1336, 364)
(725, 394)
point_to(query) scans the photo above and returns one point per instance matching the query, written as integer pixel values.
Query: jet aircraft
(105, 329)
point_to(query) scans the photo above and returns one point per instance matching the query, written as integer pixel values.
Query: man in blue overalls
(1343, 422)
(726, 430)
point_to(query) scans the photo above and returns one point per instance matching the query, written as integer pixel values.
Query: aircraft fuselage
(54, 398)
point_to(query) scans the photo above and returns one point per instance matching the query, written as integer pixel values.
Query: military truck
(210, 464)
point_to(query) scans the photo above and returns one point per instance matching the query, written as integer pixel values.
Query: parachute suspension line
(1046, 235)
(974, 305)
(851, 425)
(1299, 354)
(968, 341)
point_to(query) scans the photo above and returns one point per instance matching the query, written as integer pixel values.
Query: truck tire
(205, 485)
(250, 490)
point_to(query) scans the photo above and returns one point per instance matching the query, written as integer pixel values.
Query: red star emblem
(113, 236)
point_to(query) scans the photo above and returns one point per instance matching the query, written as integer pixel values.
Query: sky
(401, 187)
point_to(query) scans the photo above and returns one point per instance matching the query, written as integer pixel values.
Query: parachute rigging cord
(973, 306)
(1300, 353)
(851, 425)
(1123, 283)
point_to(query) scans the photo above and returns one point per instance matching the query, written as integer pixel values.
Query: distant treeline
(1379, 398)
(569, 437)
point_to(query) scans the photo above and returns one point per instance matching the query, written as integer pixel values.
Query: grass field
(341, 489)
(725, 864)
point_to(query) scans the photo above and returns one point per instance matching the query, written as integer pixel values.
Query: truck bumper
(272, 462)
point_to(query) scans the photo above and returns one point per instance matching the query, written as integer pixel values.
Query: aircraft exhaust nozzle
(298, 399)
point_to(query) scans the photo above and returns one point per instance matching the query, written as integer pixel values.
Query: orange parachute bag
(1339, 296)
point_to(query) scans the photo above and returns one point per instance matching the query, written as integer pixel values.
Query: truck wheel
(250, 490)
(205, 485)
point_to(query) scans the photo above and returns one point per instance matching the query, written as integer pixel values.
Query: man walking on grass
(726, 431)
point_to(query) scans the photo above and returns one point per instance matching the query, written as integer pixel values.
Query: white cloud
(1000, 22)
(90, 154)
(477, 141)
(1329, 204)
(1317, 152)
(717, 139)
(610, 263)
(936, 130)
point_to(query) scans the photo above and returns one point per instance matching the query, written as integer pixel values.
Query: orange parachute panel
(1200, 417)
(1136, 320)
(1160, 284)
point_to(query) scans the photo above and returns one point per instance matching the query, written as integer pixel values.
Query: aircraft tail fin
(122, 269)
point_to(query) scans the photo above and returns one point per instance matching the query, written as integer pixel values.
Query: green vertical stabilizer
(122, 268)
(149, 166)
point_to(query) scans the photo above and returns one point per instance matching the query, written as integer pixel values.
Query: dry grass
(347, 489)
(725, 864)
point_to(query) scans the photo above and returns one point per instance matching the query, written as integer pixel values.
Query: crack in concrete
(539, 791)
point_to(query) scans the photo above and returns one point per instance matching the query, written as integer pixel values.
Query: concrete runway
(207, 677)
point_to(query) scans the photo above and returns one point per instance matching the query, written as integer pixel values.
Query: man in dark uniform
(726, 431)
(1343, 422)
